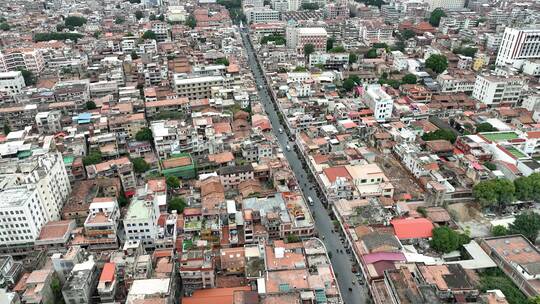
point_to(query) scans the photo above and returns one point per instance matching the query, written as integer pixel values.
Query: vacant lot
(399, 176)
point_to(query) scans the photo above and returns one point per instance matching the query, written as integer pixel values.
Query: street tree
(309, 49)
(527, 224)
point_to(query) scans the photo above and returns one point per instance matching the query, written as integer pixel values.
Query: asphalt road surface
(341, 262)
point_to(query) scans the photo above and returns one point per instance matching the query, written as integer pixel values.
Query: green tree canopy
(465, 51)
(4, 26)
(172, 182)
(309, 49)
(134, 55)
(330, 43)
(494, 192)
(177, 203)
(94, 157)
(485, 127)
(300, 69)
(490, 166)
(528, 187)
(499, 230)
(372, 53)
(496, 279)
(56, 36)
(277, 39)
(293, 238)
(435, 17)
(437, 63)
(144, 134)
(310, 6)
(119, 20)
(191, 21)
(409, 79)
(337, 49)
(407, 34)
(350, 82)
(223, 61)
(528, 224)
(440, 134)
(90, 105)
(29, 77)
(56, 289)
(140, 165)
(74, 21)
(149, 35)
(7, 128)
(353, 58)
(446, 240)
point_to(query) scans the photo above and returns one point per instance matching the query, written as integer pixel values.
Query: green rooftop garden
(500, 136)
(515, 152)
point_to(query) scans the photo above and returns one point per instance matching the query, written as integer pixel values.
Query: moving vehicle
(288, 148)
(310, 200)
(280, 130)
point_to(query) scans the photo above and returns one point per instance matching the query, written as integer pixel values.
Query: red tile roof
(412, 228)
(107, 275)
(334, 172)
(214, 296)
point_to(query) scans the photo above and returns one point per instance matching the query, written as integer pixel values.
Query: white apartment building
(445, 4)
(196, 87)
(11, 82)
(49, 122)
(532, 68)
(165, 134)
(128, 44)
(493, 41)
(376, 32)
(22, 215)
(28, 59)
(378, 101)
(496, 90)
(298, 37)
(261, 15)
(456, 83)
(332, 60)
(519, 44)
(294, 5)
(33, 192)
(140, 222)
(101, 225)
(253, 3)
(280, 5)
(176, 13)
(161, 29)
(400, 61)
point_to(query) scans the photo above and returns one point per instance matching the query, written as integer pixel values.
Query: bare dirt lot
(470, 219)
(399, 176)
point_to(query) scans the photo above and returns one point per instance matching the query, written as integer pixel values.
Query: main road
(341, 262)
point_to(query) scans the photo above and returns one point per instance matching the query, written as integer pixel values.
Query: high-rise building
(378, 101)
(28, 59)
(495, 90)
(519, 44)
(11, 82)
(33, 192)
(298, 37)
(446, 4)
